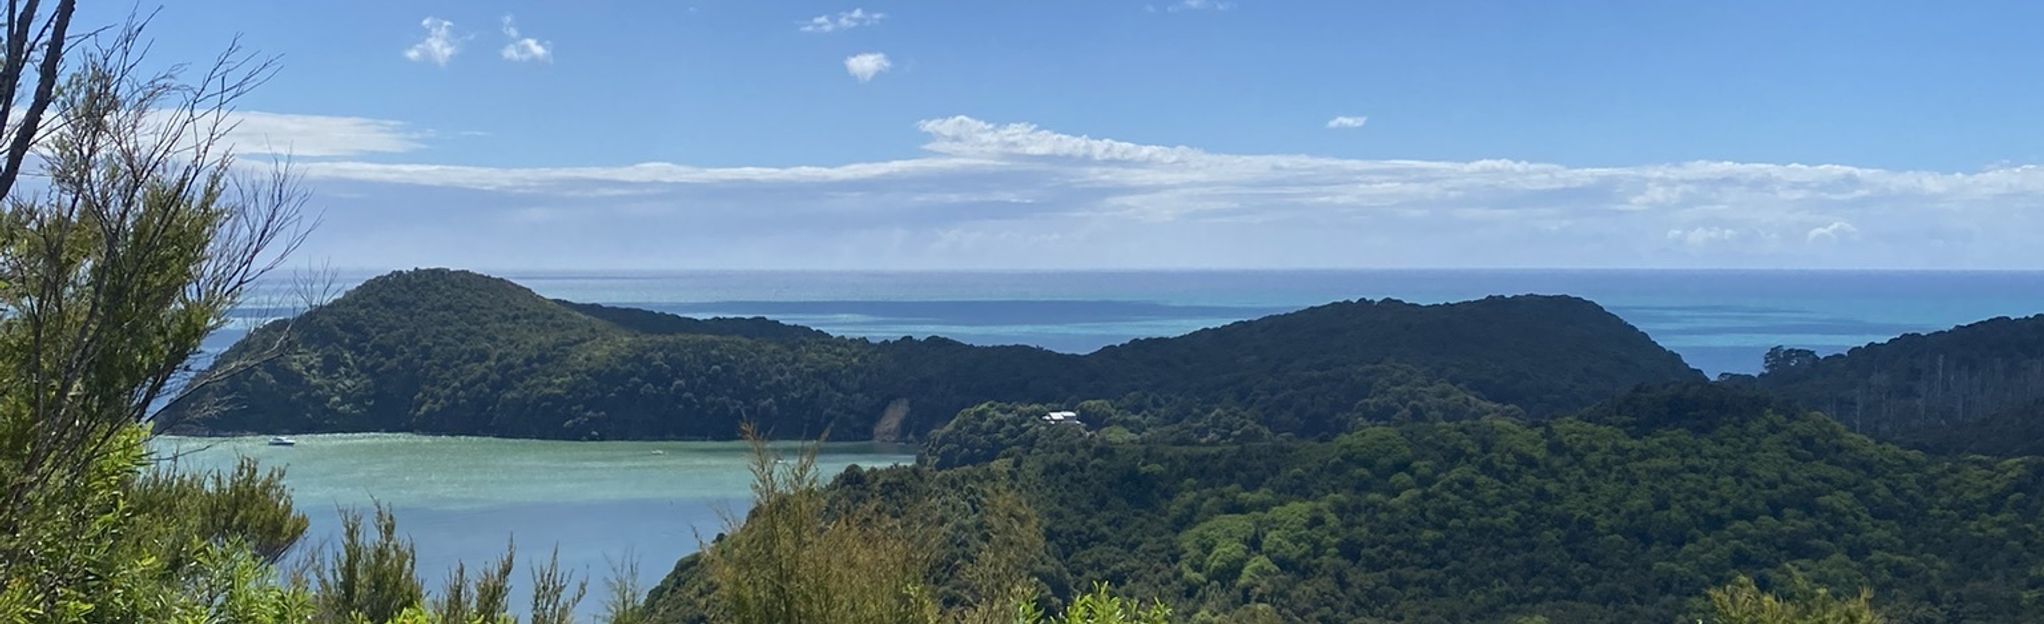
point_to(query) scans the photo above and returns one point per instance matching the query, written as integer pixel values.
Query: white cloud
(843, 21)
(522, 49)
(1200, 5)
(299, 136)
(318, 135)
(1089, 201)
(620, 180)
(965, 136)
(1832, 233)
(440, 44)
(1703, 236)
(1345, 121)
(865, 66)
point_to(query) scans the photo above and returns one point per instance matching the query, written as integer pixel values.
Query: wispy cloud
(1831, 233)
(628, 179)
(865, 66)
(965, 136)
(1344, 122)
(1199, 5)
(522, 48)
(1019, 195)
(847, 20)
(318, 136)
(1703, 236)
(440, 44)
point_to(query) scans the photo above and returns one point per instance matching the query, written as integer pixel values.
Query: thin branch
(46, 86)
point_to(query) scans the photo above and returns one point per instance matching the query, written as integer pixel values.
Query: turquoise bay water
(461, 499)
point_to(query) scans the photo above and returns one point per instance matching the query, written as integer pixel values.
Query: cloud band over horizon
(987, 195)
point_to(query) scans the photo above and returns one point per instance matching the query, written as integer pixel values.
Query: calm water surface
(462, 498)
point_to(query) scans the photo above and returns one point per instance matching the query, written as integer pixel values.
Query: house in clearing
(1059, 418)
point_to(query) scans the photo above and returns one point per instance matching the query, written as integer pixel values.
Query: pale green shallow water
(461, 498)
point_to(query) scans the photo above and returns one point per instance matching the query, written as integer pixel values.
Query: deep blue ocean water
(1719, 321)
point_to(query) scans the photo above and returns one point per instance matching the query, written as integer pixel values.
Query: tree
(1101, 606)
(1743, 602)
(138, 239)
(35, 43)
(791, 561)
(1786, 360)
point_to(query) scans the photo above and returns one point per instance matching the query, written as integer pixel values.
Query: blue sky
(1160, 133)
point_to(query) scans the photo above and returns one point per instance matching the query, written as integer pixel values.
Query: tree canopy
(1629, 512)
(440, 351)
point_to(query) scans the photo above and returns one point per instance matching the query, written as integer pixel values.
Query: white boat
(283, 441)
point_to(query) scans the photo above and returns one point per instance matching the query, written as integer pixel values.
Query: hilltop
(445, 351)
(1976, 388)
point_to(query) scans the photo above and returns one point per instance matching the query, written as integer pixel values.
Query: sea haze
(1719, 321)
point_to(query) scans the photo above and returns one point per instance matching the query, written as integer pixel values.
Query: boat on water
(283, 441)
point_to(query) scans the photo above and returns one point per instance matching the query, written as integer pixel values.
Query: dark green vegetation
(801, 556)
(439, 351)
(1977, 388)
(1500, 460)
(1627, 512)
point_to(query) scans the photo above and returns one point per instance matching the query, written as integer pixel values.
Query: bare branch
(46, 84)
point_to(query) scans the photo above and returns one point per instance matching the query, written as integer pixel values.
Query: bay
(463, 498)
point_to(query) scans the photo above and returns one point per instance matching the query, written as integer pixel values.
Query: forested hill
(1976, 388)
(650, 322)
(443, 351)
(1624, 513)
(1546, 354)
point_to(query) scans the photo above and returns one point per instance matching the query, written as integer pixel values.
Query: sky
(1072, 134)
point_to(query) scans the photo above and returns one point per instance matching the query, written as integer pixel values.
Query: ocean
(462, 498)
(1719, 321)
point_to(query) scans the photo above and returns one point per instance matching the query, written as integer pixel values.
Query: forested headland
(454, 352)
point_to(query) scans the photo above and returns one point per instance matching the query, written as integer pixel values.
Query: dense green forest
(1625, 512)
(1500, 460)
(1976, 388)
(440, 351)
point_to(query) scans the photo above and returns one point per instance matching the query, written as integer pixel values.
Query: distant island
(455, 352)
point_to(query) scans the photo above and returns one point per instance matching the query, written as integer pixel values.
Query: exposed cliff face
(889, 428)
